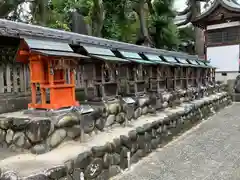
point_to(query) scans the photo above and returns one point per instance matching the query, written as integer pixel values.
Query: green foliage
(165, 33)
(120, 20)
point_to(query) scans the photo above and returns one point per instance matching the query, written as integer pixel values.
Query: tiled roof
(232, 5)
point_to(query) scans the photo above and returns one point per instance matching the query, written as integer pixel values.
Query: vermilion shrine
(51, 71)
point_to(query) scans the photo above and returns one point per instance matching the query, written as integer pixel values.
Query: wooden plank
(21, 76)
(15, 77)
(8, 78)
(1, 80)
(79, 77)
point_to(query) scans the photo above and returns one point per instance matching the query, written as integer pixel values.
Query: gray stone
(5, 123)
(137, 113)
(135, 158)
(107, 160)
(129, 110)
(109, 147)
(76, 174)
(141, 141)
(116, 158)
(57, 137)
(133, 135)
(113, 108)
(83, 160)
(134, 147)
(100, 123)
(123, 163)
(2, 135)
(117, 145)
(114, 170)
(19, 124)
(69, 166)
(143, 101)
(110, 120)
(9, 136)
(120, 118)
(56, 172)
(104, 175)
(165, 104)
(144, 110)
(3, 145)
(20, 140)
(124, 152)
(68, 120)
(99, 151)
(88, 123)
(140, 130)
(15, 148)
(39, 149)
(154, 143)
(237, 84)
(37, 130)
(74, 132)
(93, 169)
(9, 175)
(147, 147)
(125, 141)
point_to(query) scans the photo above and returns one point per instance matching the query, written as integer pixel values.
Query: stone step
(25, 165)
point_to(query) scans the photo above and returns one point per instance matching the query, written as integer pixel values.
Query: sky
(180, 4)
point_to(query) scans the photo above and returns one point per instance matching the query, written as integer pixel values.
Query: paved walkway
(210, 151)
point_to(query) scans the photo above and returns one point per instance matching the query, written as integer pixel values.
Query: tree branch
(9, 6)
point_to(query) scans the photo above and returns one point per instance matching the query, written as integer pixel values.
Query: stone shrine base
(105, 154)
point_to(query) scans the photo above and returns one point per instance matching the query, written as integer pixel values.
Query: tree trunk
(199, 34)
(97, 18)
(43, 12)
(140, 10)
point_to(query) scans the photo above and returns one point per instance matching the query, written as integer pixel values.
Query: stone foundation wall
(43, 132)
(103, 162)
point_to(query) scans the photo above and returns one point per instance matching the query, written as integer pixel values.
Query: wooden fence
(15, 78)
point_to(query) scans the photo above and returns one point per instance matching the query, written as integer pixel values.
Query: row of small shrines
(110, 79)
(108, 72)
(105, 72)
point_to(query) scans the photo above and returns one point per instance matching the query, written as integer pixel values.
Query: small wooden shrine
(138, 73)
(105, 70)
(52, 70)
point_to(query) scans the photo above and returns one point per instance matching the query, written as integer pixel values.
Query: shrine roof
(26, 31)
(60, 54)
(229, 5)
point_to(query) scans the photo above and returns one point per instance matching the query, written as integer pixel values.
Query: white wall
(229, 76)
(224, 58)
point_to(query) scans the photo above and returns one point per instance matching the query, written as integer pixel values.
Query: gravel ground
(5, 153)
(210, 151)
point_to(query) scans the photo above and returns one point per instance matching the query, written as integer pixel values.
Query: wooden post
(174, 78)
(22, 80)
(103, 81)
(8, 78)
(128, 80)
(1, 79)
(158, 78)
(135, 80)
(95, 80)
(15, 77)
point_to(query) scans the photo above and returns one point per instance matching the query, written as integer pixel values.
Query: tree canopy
(144, 22)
